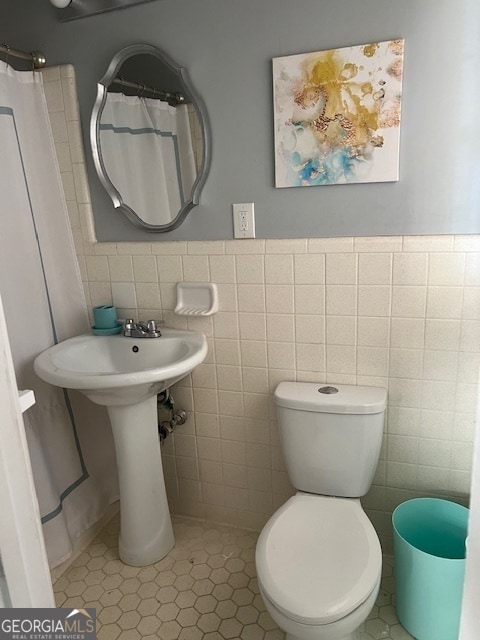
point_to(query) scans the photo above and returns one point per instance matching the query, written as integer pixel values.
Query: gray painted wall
(227, 46)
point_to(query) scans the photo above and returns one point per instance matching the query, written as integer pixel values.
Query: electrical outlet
(243, 220)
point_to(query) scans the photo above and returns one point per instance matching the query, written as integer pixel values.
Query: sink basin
(125, 375)
(113, 370)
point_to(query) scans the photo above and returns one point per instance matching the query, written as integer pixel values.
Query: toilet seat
(318, 558)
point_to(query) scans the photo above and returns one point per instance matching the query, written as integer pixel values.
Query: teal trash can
(429, 546)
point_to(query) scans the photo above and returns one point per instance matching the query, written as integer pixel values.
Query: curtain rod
(176, 98)
(37, 58)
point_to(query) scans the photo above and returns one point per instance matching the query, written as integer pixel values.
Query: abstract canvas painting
(337, 115)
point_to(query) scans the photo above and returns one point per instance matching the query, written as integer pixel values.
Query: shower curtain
(147, 148)
(70, 442)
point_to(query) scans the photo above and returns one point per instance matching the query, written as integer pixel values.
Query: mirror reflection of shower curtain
(148, 154)
(70, 442)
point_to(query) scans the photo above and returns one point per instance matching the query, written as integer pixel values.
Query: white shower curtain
(69, 441)
(147, 149)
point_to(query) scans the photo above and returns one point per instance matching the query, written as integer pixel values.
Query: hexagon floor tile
(206, 588)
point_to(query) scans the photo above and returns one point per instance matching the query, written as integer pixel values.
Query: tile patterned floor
(205, 588)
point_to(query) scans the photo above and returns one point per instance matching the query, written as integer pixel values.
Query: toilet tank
(331, 436)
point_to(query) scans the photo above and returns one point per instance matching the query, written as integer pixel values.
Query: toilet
(318, 558)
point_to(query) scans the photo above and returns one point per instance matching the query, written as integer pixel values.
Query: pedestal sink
(125, 375)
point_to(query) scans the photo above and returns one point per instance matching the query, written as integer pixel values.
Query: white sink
(115, 370)
(125, 375)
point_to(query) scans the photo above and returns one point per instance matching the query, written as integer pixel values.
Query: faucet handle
(155, 324)
(153, 328)
(128, 327)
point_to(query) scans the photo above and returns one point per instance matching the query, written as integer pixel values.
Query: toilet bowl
(319, 565)
(318, 558)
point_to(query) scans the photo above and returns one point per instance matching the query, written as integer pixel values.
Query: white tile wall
(399, 312)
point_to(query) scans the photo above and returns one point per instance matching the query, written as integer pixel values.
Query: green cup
(105, 317)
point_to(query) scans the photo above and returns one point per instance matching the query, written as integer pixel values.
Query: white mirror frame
(112, 191)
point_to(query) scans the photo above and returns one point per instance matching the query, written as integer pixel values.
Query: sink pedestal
(146, 533)
(125, 375)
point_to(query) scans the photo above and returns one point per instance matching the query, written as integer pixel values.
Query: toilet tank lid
(331, 398)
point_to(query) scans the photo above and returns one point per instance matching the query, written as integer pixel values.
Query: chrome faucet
(132, 329)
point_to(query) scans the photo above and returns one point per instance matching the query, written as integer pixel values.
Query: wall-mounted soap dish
(196, 299)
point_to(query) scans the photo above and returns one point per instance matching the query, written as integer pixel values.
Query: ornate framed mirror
(150, 138)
